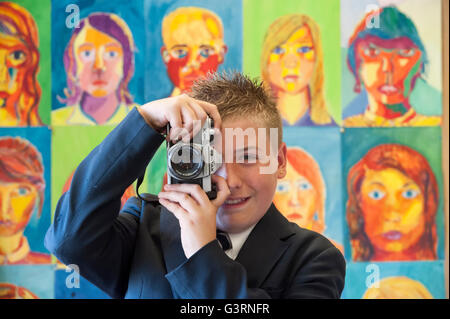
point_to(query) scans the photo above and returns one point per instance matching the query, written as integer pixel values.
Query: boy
(170, 250)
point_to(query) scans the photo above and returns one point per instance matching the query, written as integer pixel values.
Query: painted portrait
(20, 91)
(303, 196)
(27, 282)
(300, 196)
(99, 63)
(393, 197)
(23, 194)
(292, 68)
(388, 61)
(190, 38)
(193, 46)
(395, 280)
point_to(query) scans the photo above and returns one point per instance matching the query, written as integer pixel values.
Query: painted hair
(115, 27)
(17, 22)
(211, 20)
(393, 24)
(20, 161)
(410, 163)
(305, 165)
(279, 32)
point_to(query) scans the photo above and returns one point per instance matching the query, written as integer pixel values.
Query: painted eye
(179, 53)
(407, 52)
(304, 185)
(206, 52)
(22, 191)
(410, 193)
(278, 50)
(376, 194)
(371, 52)
(283, 187)
(111, 55)
(304, 49)
(87, 55)
(17, 57)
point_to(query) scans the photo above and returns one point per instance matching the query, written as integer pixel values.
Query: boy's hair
(238, 96)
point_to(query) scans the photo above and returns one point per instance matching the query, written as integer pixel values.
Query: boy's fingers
(222, 190)
(212, 111)
(183, 199)
(194, 190)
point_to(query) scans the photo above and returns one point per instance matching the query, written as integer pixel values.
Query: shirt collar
(237, 241)
(19, 254)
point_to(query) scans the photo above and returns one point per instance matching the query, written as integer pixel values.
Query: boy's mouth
(235, 202)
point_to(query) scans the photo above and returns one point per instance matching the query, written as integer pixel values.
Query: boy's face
(251, 191)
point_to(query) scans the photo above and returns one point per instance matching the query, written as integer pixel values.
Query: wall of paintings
(358, 84)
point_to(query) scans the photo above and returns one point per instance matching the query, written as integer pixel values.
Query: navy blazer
(136, 252)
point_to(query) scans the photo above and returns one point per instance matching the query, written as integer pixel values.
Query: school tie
(224, 240)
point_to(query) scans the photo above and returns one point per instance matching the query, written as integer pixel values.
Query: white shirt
(237, 240)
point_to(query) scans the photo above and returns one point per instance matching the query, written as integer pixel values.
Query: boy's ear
(282, 161)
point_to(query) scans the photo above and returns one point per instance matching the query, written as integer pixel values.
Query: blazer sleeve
(88, 229)
(323, 277)
(209, 273)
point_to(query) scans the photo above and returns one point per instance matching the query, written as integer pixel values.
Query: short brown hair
(238, 96)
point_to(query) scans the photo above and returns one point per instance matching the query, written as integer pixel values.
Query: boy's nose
(229, 172)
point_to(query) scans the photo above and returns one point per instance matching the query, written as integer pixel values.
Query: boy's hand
(181, 112)
(195, 212)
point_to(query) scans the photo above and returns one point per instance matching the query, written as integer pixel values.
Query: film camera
(194, 162)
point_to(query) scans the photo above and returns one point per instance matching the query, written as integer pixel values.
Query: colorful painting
(395, 280)
(295, 44)
(24, 61)
(27, 282)
(190, 39)
(25, 195)
(99, 63)
(387, 57)
(394, 205)
(307, 195)
(358, 84)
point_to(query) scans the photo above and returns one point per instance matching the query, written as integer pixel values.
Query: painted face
(251, 192)
(14, 62)
(388, 68)
(291, 64)
(393, 210)
(296, 198)
(193, 50)
(99, 59)
(17, 203)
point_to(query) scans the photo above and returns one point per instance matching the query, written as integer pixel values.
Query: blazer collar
(262, 249)
(264, 246)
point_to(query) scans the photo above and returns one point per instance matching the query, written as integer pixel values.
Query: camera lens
(185, 161)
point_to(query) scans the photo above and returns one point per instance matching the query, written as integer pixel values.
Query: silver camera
(194, 162)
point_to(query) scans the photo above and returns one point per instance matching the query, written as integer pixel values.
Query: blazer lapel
(171, 240)
(264, 246)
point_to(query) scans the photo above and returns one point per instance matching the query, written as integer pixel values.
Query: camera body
(194, 162)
